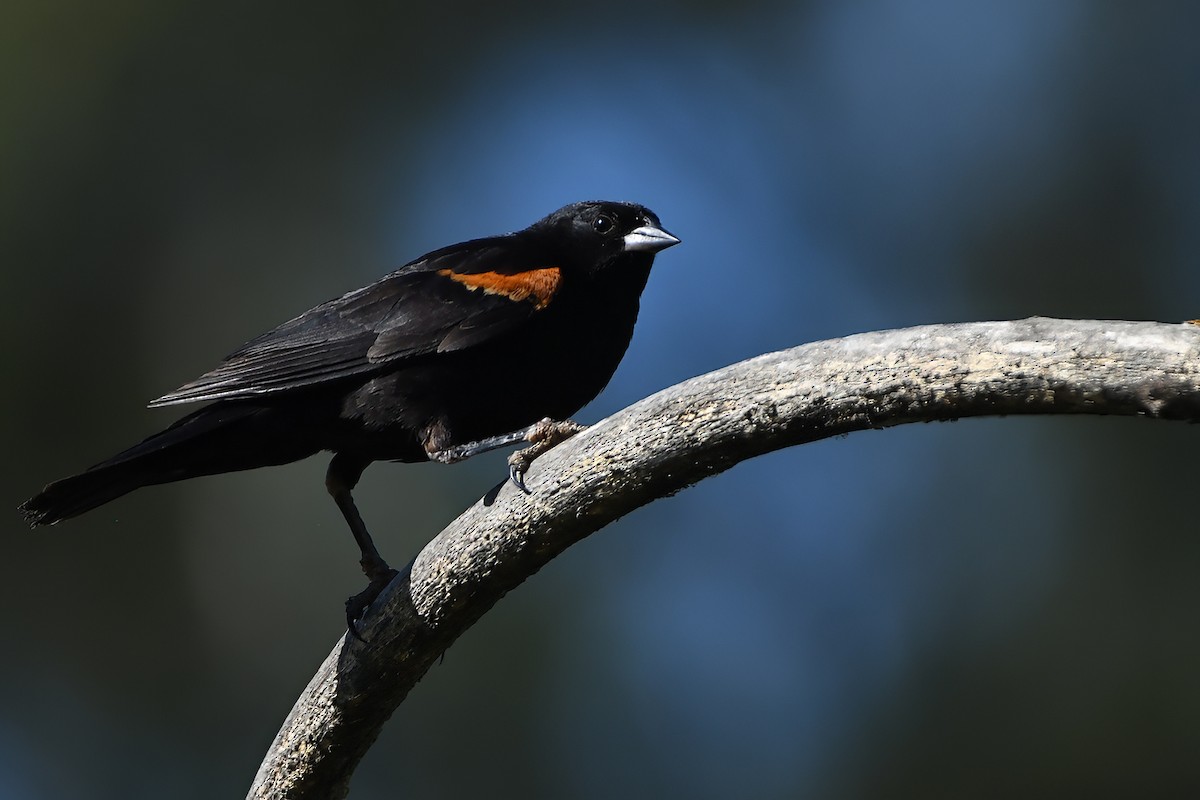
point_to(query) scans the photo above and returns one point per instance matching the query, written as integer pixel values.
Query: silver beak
(648, 239)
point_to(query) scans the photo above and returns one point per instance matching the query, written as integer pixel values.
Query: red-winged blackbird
(457, 352)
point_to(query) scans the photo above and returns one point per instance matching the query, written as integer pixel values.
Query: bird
(468, 348)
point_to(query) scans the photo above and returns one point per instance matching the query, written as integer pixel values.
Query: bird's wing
(449, 300)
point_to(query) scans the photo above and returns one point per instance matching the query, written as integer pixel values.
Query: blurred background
(990, 608)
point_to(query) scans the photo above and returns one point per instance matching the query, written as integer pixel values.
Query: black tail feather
(79, 493)
(219, 438)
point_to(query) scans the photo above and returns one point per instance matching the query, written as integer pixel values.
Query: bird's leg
(463, 451)
(340, 480)
(542, 436)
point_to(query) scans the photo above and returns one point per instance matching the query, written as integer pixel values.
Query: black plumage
(459, 350)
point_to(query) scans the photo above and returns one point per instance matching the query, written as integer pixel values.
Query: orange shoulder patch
(536, 284)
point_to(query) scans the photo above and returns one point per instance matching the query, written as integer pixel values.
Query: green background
(991, 608)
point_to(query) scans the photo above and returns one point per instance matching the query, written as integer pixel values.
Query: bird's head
(596, 234)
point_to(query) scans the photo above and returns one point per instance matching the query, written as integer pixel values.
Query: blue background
(990, 608)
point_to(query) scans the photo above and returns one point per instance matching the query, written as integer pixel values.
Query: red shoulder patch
(536, 284)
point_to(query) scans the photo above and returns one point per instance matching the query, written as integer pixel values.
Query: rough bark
(685, 433)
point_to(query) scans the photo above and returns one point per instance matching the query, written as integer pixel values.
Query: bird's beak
(648, 239)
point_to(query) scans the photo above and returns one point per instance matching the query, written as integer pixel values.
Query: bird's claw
(357, 605)
(542, 436)
(516, 474)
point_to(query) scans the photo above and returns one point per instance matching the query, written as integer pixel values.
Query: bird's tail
(218, 438)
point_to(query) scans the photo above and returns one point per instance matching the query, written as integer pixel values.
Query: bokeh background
(990, 608)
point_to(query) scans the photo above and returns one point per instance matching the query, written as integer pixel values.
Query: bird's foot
(542, 436)
(357, 605)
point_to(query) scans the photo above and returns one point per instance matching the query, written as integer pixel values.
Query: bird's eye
(603, 224)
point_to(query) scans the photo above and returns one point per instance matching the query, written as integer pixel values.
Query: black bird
(460, 351)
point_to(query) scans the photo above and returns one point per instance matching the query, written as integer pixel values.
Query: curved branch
(685, 433)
